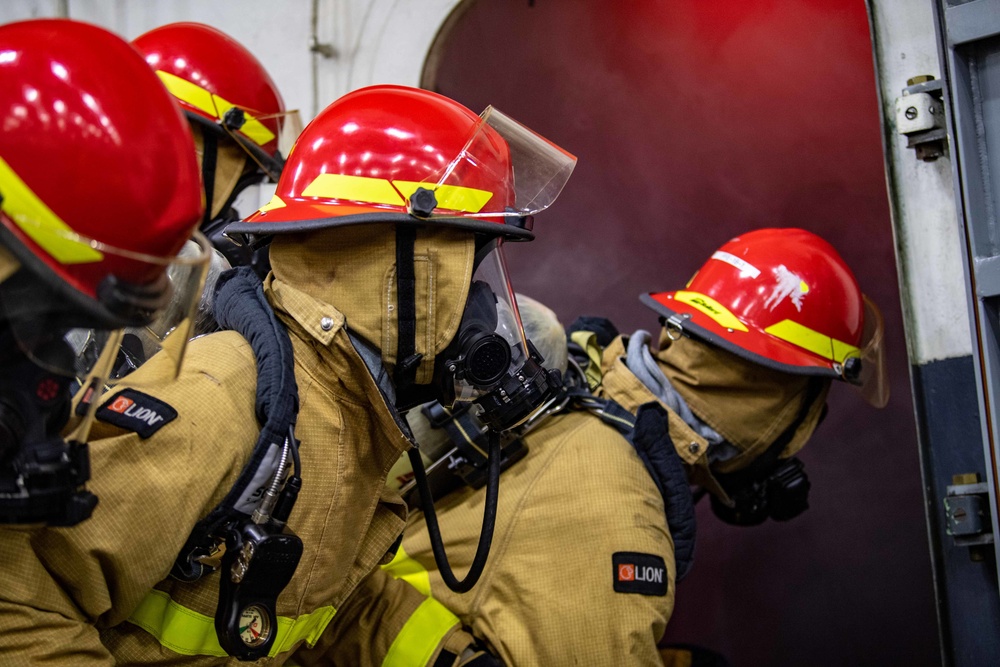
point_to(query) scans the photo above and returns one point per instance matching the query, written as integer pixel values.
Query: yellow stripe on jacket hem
(188, 632)
(421, 635)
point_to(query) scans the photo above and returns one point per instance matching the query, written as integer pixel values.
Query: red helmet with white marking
(783, 298)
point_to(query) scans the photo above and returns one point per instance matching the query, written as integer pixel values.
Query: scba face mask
(490, 363)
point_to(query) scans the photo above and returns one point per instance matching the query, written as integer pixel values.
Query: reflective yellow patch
(40, 223)
(814, 341)
(214, 106)
(276, 202)
(420, 636)
(405, 568)
(188, 632)
(382, 191)
(712, 308)
(841, 351)
(354, 188)
(451, 197)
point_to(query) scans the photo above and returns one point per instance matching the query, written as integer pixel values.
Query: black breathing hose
(489, 518)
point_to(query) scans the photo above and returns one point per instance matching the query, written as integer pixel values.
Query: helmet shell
(209, 72)
(93, 149)
(783, 298)
(363, 157)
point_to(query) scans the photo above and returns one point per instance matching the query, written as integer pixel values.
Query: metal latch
(920, 117)
(967, 513)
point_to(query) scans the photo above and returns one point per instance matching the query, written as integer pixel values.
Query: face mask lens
(490, 337)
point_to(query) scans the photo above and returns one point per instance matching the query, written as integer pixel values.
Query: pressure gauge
(255, 625)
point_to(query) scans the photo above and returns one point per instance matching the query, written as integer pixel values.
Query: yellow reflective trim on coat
(451, 197)
(214, 106)
(40, 223)
(421, 635)
(188, 632)
(812, 340)
(405, 568)
(712, 308)
(354, 188)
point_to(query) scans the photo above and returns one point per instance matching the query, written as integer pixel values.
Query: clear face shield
(872, 381)
(252, 130)
(57, 338)
(529, 171)
(490, 363)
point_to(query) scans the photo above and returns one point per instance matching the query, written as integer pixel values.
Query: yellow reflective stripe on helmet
(842, 351)
(188, 632)
(40, 223)
(405, 568)
(214, 106)
(354, 188)
(276, 202)
(394, 193)
(710, 307)
(451, 197)
(421, 635)
(812, 340)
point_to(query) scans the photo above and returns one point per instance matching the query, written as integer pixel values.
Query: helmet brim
(257, 228)
(754, 346)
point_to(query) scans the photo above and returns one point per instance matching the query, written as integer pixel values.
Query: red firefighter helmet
(783, 298)
(220, 85)
(98, 178)
(398, 154)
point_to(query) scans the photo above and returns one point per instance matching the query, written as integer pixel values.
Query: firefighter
(744, 363)
(97, 196)
(250, 510)
(585, 564)
(736, 410)
(237, 115)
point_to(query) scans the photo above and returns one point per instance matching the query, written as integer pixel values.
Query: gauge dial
(255, 625)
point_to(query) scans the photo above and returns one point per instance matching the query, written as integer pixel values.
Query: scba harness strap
(647, 432)
(260, 555)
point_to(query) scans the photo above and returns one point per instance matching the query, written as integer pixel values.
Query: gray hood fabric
(642, 364)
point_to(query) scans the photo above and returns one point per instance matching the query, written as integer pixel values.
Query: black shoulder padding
(651, 439)
(240, 306)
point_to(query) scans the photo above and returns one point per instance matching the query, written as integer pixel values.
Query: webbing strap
(209, 156)
(587, 340)
(188, 632)
(609, 411)
(423, 632)
(406, 307)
